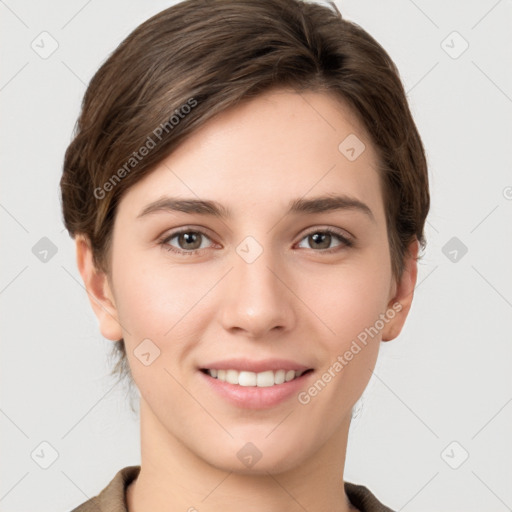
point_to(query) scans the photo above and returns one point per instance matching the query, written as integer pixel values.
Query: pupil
(322, 237)
(189, 238)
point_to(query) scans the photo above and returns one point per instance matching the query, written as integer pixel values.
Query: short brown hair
(209, 55)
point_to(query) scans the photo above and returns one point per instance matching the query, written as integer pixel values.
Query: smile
(261, 379)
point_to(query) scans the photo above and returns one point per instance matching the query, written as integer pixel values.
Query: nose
(257, 299)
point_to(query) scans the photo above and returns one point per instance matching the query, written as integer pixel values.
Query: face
(265, 281)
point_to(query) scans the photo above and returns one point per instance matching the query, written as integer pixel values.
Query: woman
(247, 190)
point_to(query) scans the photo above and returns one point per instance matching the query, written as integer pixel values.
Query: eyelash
(345, 241)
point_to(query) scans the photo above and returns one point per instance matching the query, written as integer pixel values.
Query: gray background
(446, 379)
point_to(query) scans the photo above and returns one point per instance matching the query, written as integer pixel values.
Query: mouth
(268, 378)
(273, 383)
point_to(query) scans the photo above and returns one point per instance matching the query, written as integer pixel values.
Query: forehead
(278, 146)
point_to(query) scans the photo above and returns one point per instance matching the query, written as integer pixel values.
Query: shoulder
(362, 498)
(113, 496)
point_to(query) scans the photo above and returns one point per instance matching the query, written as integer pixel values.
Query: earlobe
(401, 302)
(98, 290)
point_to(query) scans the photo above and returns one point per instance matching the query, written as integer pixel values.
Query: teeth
(261, 380)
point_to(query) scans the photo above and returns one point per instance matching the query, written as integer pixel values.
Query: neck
(172, 477)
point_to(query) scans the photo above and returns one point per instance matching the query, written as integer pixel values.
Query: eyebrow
(321, 204)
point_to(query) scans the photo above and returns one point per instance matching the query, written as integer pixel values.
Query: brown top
(113, 497)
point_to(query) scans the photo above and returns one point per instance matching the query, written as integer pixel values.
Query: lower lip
(253, 397)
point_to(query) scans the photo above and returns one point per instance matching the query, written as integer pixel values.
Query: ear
(98, 290)
(404, 292)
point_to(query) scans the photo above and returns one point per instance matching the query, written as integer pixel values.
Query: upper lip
(242, 364)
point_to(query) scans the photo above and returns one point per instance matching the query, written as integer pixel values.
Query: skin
(294, 301)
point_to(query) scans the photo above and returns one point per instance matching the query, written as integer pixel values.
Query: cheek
(153, 295)
(166, 304)
(346, 299)
(159, 318)
(349, 304)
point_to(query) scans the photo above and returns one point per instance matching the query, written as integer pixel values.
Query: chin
(257, 456)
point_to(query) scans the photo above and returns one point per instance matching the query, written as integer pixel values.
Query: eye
(189, 241)
(322, 238)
